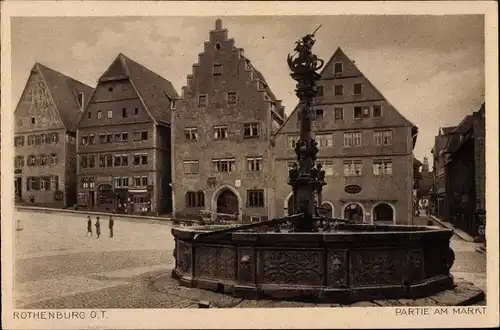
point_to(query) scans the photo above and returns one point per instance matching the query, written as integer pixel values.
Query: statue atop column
(305, 60)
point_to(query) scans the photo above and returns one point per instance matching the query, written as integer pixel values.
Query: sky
(431, 68)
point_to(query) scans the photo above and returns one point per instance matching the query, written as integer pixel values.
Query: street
(58, 266)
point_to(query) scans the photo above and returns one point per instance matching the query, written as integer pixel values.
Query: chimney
(218, 24)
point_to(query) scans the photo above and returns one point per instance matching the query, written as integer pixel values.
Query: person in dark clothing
(89, 226)
(111, 224)
(98, 227)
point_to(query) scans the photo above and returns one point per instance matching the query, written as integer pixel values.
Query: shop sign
(352, 189)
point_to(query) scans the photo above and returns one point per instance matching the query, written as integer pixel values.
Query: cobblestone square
(58, 266)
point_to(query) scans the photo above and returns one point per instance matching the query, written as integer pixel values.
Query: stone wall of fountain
(357, 262)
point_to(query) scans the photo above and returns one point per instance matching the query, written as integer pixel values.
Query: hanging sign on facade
(352, 189)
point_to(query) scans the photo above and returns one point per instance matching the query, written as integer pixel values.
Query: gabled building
(223, 127)
(365, 147)
(124, 149)
(46, 119)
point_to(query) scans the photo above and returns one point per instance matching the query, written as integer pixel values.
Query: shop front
(140, 200)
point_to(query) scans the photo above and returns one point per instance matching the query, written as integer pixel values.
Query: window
(137, 181)
(172, 104)
(141, 159)
(195, 199)
(102, 161)
(54, 138)
(251, 130)
(339, 90)
(320, 91)
(118, 182)
(338, 68)
(191, 167)
(255, 198)
(125, 182)
(292, 141)
(339, 114)
(254, 164)
(202, 101)
(319, 114)
(191, 134)
(33, 121)
(124, 160)
(53, 159)
(84, 161)
(382, 138)
(109, 138)
(231, 98)
(37, 139)
(124, 113)
(324, 140)
(110, 113)
(377, 111)
(136, 111)
(31, 140)
(366, 111)
(110, 89)
(124, 137)
(358, 112)
(217, 69)
(44, 183)
(19, 162)
(99, 114)
(144, 181)
(54, 182)
(118, 160)
(91, 139)
(85, 140)
(353, 168)
(89, 115)
(109, 160)
(352, 139)
(224, 165)
(118, 137)
(43, 139)
(102, 138)
(327, 166)
(19, 141)
(32, 183)
(220, 132)
(140, 136)
(358, 89)
(255, 219)
(91, 161)
(382, 167)
(43, 160)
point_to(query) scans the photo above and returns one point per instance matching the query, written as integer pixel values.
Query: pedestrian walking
(89, 226)
(111, 224)
(98, 227)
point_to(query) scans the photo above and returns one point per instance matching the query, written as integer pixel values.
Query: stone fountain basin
(353, 263)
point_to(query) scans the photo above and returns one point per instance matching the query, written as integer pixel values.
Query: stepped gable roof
(260, 76)
(64, 91)
(155, 91)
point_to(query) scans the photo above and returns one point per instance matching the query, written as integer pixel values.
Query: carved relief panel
(291, 267)
(336, 262)
(211, 261)
(246, 265)
(36, 109)
(372, 267)
(183, 259)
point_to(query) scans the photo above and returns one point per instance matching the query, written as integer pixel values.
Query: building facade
(124, 148)
(46, 119)
(223, 127)
(465, 170)
(365, 147)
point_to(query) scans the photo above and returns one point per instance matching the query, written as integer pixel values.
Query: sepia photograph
(242, 163)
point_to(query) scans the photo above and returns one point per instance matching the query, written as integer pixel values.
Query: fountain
(308, 257)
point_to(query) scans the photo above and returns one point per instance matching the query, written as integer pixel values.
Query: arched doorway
(326, 210)
(383, 212)
(353, 212)
(227, 202)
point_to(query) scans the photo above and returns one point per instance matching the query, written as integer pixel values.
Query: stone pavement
(57, 266)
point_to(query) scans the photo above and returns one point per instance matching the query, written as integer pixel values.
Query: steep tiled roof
(155, 91)
(64, 91)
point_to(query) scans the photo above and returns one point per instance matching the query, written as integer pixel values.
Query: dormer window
(338, 68)
(80, 99)
(217, 69)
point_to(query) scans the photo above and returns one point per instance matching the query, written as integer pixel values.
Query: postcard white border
(255, 318)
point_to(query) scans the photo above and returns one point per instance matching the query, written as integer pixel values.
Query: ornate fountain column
(304, 179)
